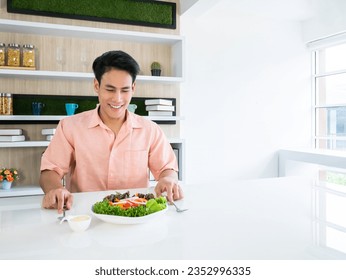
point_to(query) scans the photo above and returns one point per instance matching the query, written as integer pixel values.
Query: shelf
(160, 118)
(44, 118)
(38, 74)
(161, 79)
(59, 30)
(32, 144)
(24, 144)
(28, 118)
(82, 76)
(176, 140)
(21, 191)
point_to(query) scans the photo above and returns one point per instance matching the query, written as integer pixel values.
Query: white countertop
(281, 218)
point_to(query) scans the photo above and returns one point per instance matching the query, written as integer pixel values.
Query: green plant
(155, 65)
(8, 174)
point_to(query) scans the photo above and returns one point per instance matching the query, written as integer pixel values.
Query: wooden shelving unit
(45, 75)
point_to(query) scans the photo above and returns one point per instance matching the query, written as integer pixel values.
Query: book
(48, 131)
(49, 137)
(160, 113)
(12, 138)
(159, 108)
(11, 131)
(159, 101)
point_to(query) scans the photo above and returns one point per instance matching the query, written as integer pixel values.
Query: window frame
(315, 48)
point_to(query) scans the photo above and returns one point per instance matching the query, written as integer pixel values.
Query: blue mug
(71, 108)
(37, 108)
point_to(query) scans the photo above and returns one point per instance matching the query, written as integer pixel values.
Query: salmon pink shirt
(97, 159)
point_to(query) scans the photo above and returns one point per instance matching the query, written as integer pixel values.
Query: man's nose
(117, 96)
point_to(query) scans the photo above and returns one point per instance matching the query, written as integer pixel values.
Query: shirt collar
(95, 119)
(132, 121)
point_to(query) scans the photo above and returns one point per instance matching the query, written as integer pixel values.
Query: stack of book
(11, 135)
(48, 132)
(159, 107)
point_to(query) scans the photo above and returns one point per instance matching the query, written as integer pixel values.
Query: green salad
(130, 207)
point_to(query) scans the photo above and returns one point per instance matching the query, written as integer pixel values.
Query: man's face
(115, 93)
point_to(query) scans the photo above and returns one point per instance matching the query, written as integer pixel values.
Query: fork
(63, 214)
(177, 208)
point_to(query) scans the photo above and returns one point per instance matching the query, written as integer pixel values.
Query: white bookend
(48, 131)
(159, 101)
(12, 138)
(159, 108)
(11, 131)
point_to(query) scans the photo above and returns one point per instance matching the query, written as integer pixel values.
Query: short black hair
(115, 60)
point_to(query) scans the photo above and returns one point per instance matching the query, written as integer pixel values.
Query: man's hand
(168, 182)
(57, 198)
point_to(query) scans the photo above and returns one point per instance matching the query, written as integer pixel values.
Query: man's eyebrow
(111, 86)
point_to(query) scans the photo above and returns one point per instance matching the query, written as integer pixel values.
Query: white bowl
(79, 223)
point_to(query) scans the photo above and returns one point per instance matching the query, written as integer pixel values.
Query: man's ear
(133, 88)
(96, 85)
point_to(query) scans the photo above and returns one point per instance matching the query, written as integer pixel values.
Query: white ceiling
(278, 9)
(186, 4)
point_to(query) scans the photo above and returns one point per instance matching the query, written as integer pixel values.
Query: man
(108, 147)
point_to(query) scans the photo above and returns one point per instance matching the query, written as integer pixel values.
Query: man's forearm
(50, 180)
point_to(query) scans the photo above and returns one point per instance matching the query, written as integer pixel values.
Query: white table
(280, 218)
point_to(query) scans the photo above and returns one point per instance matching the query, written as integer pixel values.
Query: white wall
(247, 92)
(328, 18)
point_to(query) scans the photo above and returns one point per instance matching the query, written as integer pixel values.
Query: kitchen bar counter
(287, 218)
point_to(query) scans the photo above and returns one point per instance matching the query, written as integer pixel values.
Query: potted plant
(155, 68)
(8, 176)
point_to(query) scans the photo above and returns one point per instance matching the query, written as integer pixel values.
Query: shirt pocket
(136, 165)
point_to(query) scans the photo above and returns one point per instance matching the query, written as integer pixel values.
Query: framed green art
(132, 12)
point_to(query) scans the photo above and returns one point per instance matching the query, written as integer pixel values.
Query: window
(329, 84)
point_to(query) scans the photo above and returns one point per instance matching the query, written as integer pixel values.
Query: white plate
(129, 220)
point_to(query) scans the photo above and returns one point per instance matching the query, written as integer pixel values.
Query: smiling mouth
(116, 107)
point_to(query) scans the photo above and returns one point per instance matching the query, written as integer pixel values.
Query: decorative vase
(6, 185)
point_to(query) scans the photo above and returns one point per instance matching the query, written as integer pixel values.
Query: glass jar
(13, 55)
(2, 54)
(8, 108)
(28, 59)
(2, 105)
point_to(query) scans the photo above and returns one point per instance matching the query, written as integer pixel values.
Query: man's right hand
(57, 198)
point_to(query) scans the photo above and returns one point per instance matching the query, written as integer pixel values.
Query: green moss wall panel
(132, 12)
